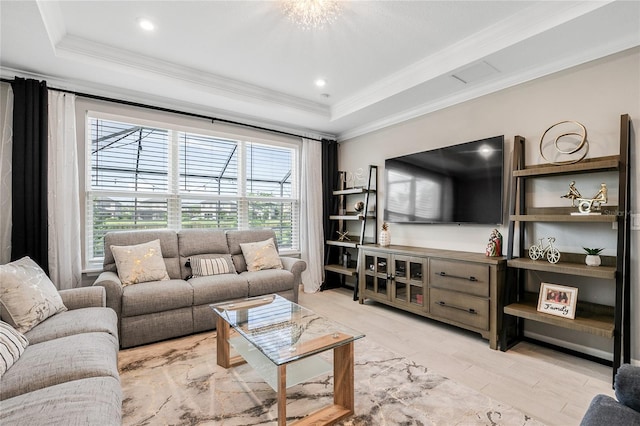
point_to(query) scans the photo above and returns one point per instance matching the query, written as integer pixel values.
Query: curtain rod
(173, 111)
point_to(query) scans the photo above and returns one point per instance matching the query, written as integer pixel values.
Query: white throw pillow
(261, 255)
(12, 345)
(204, 265)
(140, 263)
(27, 295)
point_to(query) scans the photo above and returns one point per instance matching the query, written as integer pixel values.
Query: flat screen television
(456, 184)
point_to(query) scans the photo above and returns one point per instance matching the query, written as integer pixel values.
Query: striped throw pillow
(12, 345)
(205, 266)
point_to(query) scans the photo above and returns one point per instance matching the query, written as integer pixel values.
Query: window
(146, 177)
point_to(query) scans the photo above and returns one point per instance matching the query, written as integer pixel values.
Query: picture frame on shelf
(559, 300)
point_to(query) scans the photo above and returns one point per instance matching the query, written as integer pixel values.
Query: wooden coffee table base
(343, 389)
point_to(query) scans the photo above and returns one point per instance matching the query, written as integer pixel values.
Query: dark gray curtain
(29, 171)
(330, 183)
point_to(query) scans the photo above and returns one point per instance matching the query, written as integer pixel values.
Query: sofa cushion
(95, 401)
(155, 296)
(168, 246)
(27, 295)
(235, 238)
(200, 242)
(605, 410)
(211, 264)
(261, 255)
(627, 386)
(12, 345)
(140, 263)
(85, 320)
(61, 360)
(268, 281)
(218, 288)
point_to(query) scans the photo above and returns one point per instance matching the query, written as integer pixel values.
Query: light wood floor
(550, 386)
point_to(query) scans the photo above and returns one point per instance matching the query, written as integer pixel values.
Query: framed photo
(558, 300)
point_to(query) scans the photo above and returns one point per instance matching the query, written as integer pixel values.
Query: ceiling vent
(475, 72)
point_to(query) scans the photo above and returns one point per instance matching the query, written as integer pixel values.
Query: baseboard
(597, 353)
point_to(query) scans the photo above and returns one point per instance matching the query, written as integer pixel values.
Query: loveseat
(179, 304)
(68, 373)
(605, 410)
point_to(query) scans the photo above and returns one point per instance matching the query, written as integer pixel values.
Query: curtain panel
(65, 263)
(329, 203)
(29, 171)
(311, 211)
(5, 175)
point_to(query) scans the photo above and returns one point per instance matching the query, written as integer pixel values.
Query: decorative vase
(592, 260)
(384, 239)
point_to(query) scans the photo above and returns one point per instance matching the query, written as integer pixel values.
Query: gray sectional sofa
(157, 310)
(68, 374)
(605, 410)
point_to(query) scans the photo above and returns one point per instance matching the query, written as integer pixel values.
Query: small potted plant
(593, 256)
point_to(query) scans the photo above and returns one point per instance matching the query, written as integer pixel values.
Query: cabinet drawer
(472, 278)
(459, 307)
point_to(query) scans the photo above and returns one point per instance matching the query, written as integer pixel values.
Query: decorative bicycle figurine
(538, 251)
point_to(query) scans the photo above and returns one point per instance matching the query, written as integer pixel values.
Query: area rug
(178, 382)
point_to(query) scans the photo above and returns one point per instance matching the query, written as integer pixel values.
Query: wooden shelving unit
(606, 321)
(347, 221)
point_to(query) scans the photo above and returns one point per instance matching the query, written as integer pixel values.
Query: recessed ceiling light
(320, 82)
(146, 24)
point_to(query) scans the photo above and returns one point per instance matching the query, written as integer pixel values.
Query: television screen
(455, 184)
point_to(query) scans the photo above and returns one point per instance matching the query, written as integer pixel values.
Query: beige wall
(595, 94)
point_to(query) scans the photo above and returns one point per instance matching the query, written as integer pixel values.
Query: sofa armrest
(627, 386)
(113, 286)
(83, 297)
(295, 266)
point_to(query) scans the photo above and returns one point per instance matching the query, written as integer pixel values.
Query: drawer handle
(444, 274)
(470, 310)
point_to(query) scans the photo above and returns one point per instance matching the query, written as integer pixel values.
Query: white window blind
(145, 177)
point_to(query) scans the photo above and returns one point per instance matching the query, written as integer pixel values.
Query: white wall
(595, 94)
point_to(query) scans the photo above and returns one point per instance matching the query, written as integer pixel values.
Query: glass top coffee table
(280, 340)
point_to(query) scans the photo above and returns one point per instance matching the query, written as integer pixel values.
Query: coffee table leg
(343, 371)
(223, 352)
(282, 395)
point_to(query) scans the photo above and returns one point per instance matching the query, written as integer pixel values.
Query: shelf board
(348, 244)
(339, 269)
(351, 191)
(603, 218)
(604, 272)
(350, 217)
(596, 324)
(590, 165)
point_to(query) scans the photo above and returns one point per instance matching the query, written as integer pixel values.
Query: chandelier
(309, 14)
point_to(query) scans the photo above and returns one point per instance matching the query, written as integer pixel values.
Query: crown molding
(76, 48)
(159, 101)
(535, 20)
(486, 88)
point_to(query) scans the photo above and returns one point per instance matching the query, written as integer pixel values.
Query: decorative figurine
(494, 248)
(586, 205)
(573, 193)
(538, 251)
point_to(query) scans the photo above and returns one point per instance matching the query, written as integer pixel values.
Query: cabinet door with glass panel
(377, 275)
(407, 280)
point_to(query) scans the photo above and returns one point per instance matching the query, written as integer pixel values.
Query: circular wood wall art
(575, 138)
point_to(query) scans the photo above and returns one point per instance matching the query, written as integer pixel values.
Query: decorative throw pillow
(12, 345)
(27, 295)
(204, 265)
(140, 263)
(261, 255)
